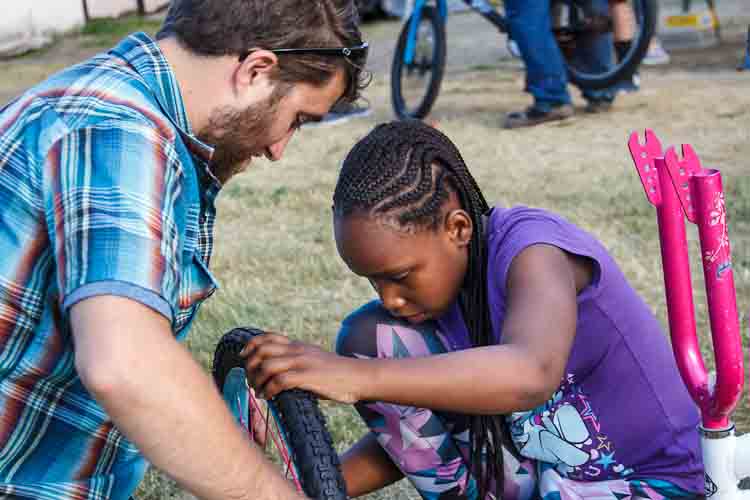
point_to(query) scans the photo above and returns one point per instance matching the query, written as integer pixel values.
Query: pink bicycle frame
(675, 187)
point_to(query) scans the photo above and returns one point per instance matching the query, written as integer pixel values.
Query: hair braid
(407, 169)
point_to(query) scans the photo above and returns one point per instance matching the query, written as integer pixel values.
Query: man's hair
(232, 27)
(404, 171)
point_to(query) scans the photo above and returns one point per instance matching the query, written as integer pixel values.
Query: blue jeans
(530, 23)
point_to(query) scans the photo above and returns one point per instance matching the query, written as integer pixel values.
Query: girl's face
(417, 275)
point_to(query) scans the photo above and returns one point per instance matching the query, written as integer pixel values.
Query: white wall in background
(114, 8)
(24, 23)
(29, 24)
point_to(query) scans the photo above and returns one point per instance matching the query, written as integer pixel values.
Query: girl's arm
(367, 467)
(521, 373)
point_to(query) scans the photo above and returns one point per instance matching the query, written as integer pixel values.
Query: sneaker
(343, 112)
(596, 106)
(629, 86)
(656, 54)
(533, 116)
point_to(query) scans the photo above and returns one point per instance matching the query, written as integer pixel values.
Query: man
(108, 175)
(530, 23)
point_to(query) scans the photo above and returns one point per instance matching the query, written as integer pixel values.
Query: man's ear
(259, 64)
(459, 227)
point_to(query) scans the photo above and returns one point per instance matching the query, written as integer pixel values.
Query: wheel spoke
(289, 447)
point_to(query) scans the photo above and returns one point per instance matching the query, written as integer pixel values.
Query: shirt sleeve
(520, 227)
(113, 205)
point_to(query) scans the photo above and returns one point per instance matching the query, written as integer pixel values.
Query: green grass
(277, 224)
(106, 32)
(275, 257)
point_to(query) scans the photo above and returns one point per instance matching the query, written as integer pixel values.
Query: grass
(105, 32)
(276, 260)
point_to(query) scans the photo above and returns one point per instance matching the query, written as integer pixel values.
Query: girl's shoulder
(511, 230)
(506, 225)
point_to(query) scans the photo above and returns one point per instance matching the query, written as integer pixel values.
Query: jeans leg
(530, 24)
(596, 55)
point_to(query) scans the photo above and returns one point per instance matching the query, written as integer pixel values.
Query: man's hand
(275, 363)
(158, 396)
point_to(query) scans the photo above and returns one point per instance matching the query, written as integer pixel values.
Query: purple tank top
(622, 410)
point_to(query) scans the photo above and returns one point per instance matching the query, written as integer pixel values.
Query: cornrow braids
(405, 170)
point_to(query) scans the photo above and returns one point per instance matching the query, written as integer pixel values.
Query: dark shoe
(343, 112)
(534, 116)
(595, 106)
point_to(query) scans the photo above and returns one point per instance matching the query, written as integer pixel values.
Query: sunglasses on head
(356, 55)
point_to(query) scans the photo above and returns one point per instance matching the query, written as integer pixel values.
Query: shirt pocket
(197, 284)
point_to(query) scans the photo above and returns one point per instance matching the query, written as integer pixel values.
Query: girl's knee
(357, 335)
(373, 332)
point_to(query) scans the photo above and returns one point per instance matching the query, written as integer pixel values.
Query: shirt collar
(143, 54)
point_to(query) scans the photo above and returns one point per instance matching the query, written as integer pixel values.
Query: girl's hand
(275, 363)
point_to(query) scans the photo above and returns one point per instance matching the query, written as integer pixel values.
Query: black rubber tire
(624, 69)
(301, 420)
(438, 68)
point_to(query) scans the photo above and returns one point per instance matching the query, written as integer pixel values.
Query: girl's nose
(392, 300)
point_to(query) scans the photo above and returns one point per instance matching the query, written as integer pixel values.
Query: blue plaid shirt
(103, 190)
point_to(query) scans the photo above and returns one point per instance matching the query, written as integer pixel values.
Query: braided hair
(405, 171)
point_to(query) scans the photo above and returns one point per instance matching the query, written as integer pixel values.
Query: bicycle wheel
(415, 86)
(578, 29)
(296, 435)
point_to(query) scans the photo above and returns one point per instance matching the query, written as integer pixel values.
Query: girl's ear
(459, 227)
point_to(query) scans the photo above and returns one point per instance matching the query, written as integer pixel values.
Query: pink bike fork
(679, 189)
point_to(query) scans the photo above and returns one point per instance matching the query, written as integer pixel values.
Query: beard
(236, 135)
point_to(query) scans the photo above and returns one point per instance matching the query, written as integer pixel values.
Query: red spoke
(285, 456)
(278, 441)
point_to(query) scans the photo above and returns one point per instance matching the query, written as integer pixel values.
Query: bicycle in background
(420, 55)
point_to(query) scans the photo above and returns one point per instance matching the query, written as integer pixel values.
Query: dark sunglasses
(357, 55)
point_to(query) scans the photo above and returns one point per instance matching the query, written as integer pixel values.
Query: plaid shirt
(103, 190)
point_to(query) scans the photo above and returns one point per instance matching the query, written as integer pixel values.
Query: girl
(507, 355)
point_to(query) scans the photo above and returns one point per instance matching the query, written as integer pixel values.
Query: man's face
(264, 128)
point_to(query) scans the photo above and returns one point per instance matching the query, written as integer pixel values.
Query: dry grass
(274, 252)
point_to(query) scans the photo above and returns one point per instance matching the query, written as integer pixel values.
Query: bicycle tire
(624, 69)
(298, 415)
(400, 107)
